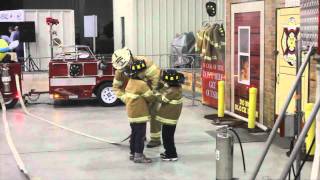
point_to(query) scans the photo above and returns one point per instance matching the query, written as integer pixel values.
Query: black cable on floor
(292, 166)
(243, 160)
(305, 158)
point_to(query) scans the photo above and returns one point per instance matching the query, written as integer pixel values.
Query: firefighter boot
(155, 131)
(153, 143)
(141, 158)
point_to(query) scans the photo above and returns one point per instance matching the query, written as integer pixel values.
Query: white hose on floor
(12, 147)
(55, 124)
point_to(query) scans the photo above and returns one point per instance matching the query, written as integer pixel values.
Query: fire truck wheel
(11, 103)
(106, 96)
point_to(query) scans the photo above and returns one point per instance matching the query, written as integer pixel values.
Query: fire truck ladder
(58, 125)
(12, 147)
(301, 137)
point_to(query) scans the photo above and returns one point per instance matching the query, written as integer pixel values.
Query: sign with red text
(212, 72)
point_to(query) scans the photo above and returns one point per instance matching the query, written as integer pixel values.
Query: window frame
(245, 54)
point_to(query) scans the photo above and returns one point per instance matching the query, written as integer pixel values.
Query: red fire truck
(76, 73)
(8, 85)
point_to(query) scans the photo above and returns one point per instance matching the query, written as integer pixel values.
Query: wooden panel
(241, 92)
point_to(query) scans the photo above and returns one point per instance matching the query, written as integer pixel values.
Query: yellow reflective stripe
(155, 135)
(131, 95)
(166, 121)
(207, 58)
(151, 71)
(200, 37)
(204, 50)
(215, 57)
(164, 99)
(174, 102)
(140, 119)
(147, 94)
(119, 93)
(117, 83)
(123, 98)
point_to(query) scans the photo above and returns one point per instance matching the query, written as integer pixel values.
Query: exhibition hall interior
(159, 89)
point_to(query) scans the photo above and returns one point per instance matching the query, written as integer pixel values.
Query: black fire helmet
(172, 77)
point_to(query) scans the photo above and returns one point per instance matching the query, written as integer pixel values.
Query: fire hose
(12, 147)
(17, 79)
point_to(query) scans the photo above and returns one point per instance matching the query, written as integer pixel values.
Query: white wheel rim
(108, 96)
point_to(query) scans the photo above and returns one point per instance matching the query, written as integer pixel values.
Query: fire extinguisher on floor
(224, 153)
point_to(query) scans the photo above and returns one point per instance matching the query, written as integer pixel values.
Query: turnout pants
(138, 134)
(155, 126)
(168, 140)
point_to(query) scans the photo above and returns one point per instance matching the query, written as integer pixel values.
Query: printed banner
(12, 16)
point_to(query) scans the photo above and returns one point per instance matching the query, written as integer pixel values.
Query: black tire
(10, 104)
(105, 95)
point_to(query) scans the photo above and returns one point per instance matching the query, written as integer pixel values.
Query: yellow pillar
(252, 108)
(221, 99)
(311, 132)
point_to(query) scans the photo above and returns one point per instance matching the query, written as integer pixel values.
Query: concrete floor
(51, 154)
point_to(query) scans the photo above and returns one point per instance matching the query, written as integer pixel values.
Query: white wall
(152, 24)
(124, 8)
(65, 32)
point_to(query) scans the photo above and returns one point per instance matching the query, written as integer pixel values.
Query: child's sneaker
(131, 157)
(168, 158)
(162, 155)
(141, 158)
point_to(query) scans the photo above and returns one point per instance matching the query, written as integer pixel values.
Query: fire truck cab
(76, 73)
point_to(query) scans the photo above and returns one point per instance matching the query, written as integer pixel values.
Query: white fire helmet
(121, 58)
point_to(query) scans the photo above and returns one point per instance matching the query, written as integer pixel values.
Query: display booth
(35, 31)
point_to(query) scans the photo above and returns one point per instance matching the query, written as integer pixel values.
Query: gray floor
(53, 154)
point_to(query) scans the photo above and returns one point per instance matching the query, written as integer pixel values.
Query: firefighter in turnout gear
(169, 111)
(129, 70)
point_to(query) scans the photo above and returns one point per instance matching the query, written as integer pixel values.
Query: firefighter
(169, 111)
(122, 59)
(137, 96)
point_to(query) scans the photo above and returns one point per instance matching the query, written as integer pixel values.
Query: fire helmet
(172, 77)
(121, 58)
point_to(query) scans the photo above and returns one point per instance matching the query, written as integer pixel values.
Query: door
(288, 31)
(247, 56)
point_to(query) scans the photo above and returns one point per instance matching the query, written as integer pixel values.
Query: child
(169, 111)
(137, 94)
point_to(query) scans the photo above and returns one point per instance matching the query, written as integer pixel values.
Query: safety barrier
(252, 107)
(166, 61)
